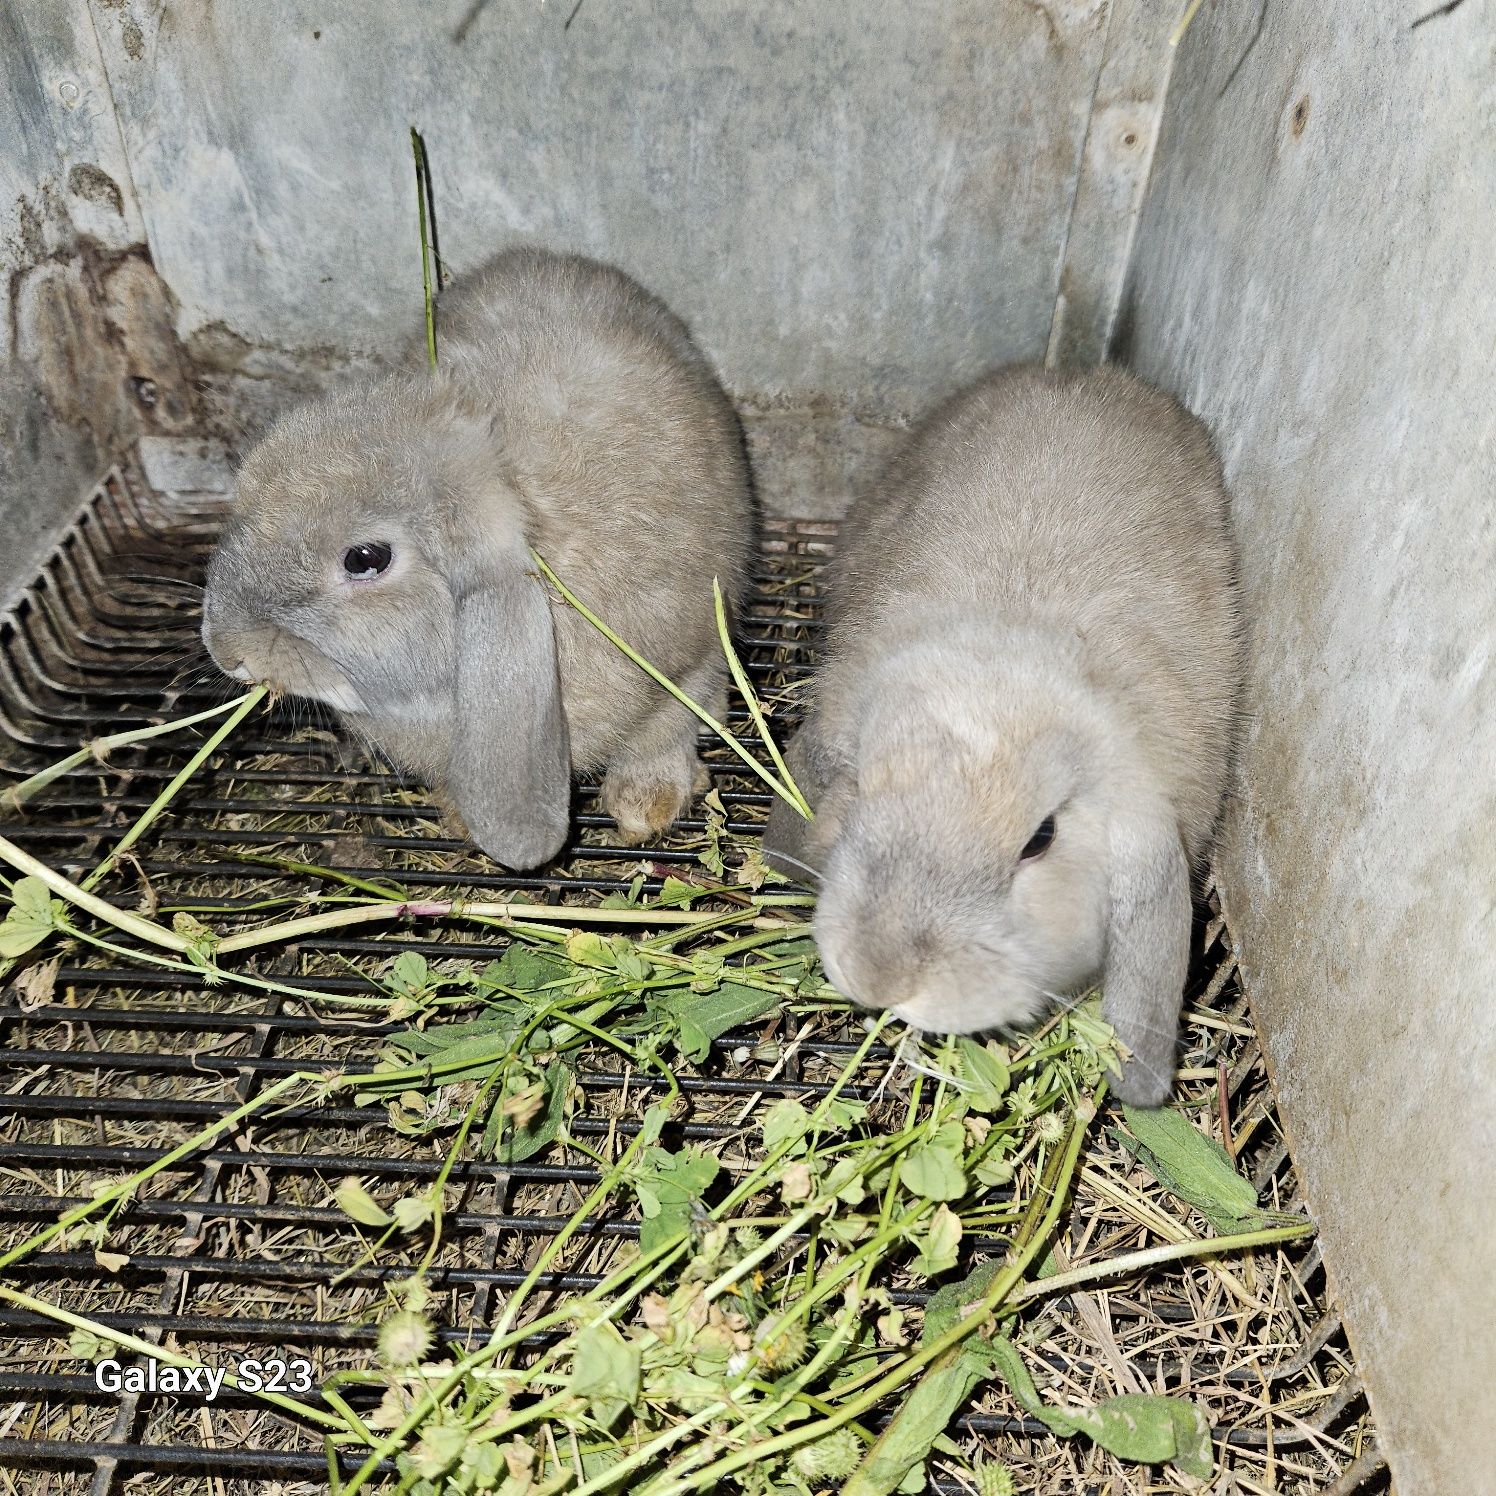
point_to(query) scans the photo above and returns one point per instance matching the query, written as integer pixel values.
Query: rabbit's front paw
(643, 806)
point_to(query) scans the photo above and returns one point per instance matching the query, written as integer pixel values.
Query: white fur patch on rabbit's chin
(341, 697)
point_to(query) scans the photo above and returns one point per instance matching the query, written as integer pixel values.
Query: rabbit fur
(1032, 615)
(571, 413)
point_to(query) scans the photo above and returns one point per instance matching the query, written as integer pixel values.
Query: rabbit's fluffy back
(628, 457)
(1085, 503)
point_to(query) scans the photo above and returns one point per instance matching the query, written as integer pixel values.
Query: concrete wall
(855, 206)
(1314, 274)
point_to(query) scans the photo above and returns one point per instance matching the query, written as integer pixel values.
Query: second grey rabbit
(1018, 745)
(378, 555)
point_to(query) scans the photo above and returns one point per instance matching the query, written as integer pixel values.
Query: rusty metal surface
(89, 355)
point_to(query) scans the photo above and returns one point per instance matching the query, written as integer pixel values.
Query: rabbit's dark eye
(1039, 842)
(367, 560)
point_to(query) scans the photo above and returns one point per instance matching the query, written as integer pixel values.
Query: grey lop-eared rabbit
(1018, 744)
(378, 555)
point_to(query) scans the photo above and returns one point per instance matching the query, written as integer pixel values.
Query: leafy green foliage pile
(763, 1335)
(759, 1337)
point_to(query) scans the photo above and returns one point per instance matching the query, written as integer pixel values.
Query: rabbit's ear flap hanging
(509, 769)
(1147, 950)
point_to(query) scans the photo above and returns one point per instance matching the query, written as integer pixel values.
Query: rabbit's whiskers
(804, 867)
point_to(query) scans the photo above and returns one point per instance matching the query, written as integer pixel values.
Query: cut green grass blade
(755, 709)
(246, 704)
(785, 792)
(424, 207)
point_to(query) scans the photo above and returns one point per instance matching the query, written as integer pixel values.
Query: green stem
(752, 1183)
(121, 919)
(1131, 1262)
(79, 894)
(766, 1248)
(438, 1190)
(246, 704)
(313, 870)
(645, 1453)
(709, 922)
(859, 1264)
(604, 1187)
(125, 1187)
(755, 710)
(561, 914)
(333, 919)
(664, 681)
(498, 1341)
(159, 1353)
(423, 178)
(897, 1376)
(789, 930)
(100, 749)
(213, 974)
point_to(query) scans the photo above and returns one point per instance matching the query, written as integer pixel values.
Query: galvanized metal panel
(855, 206)
(1314, 276)
(1111, 175)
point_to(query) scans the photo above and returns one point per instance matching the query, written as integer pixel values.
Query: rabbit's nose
(231, 663)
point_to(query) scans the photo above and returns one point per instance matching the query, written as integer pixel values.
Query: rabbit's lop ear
(792, 845)
(510, 765)
(1147, 952)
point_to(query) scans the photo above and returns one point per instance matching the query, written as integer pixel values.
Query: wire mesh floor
(239, 1250)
